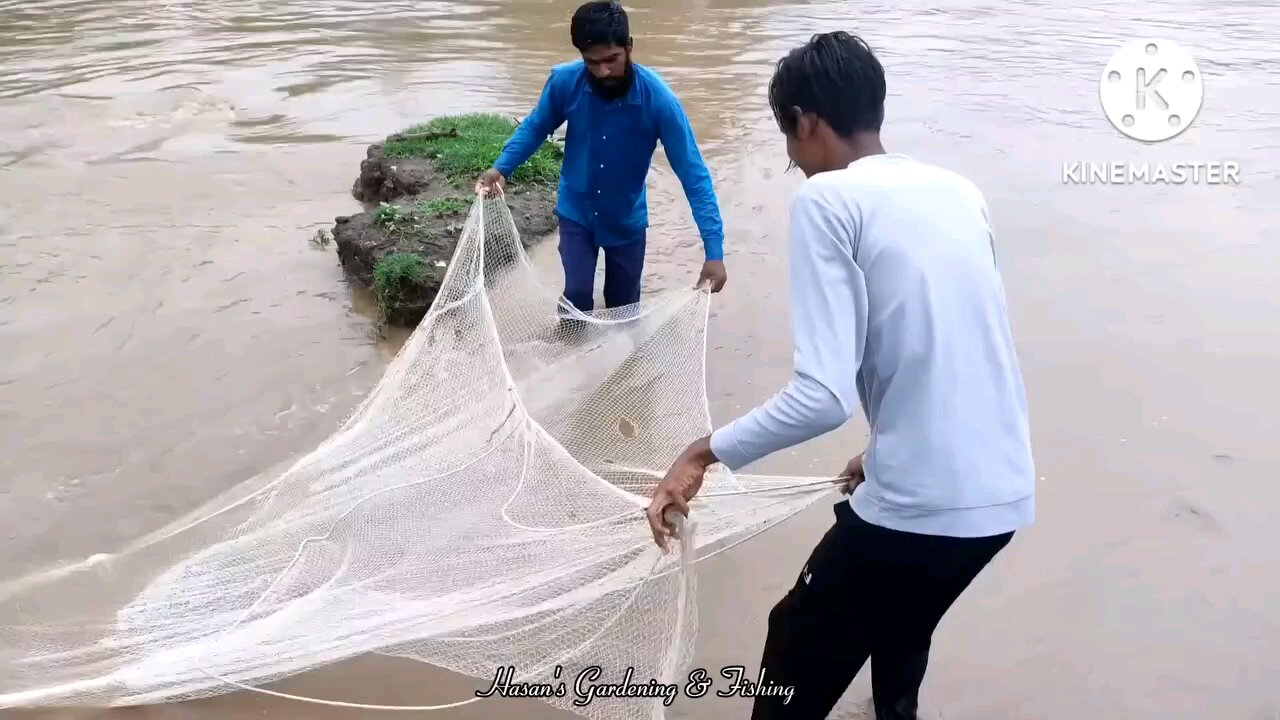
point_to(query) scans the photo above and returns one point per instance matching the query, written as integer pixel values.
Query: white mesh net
(483, 508)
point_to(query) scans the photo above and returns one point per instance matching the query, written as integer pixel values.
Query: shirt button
(604, 137)
(601, 164)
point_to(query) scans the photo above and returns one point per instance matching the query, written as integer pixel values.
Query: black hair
(834, 76)
(600, 23)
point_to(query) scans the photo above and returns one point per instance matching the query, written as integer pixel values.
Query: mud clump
(418, 187)
(383, 179)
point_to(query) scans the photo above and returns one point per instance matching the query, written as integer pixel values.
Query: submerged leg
(578, 256)
(623, 270)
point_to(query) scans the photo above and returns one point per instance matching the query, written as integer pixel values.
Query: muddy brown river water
(166, 329)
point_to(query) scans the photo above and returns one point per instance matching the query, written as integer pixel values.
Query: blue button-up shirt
(609, 147)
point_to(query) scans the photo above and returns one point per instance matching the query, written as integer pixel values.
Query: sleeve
(682, 152)
(546, 117)
(991, 232)
(981, 203)
(829, 314)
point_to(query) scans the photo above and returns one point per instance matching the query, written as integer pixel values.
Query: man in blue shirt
(617, 112)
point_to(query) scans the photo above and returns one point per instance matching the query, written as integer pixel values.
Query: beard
(614, 88)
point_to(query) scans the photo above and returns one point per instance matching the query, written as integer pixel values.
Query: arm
(681, 149)
(829, 309)
(546, 117)
(991, 233)
(980, 202)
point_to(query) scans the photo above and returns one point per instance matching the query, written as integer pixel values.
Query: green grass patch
(386, 215)
(396, 222)
(441, 206)
(464, 146)
(395, 273)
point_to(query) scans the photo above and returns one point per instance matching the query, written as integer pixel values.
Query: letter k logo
(1151, 90)
(1145, 88)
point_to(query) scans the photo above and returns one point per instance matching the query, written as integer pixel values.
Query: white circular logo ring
(1151, 90)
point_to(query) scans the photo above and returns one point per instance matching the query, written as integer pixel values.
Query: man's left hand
(681, 483)
(713, 272)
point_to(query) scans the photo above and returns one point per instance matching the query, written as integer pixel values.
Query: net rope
(482, 508)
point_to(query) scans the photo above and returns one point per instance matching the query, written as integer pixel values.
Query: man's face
(608, 65)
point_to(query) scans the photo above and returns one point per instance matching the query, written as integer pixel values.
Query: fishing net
(483, 508)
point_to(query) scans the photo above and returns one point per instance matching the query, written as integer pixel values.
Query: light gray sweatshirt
(898, 305)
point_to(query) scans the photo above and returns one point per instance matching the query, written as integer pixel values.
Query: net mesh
(482, 508)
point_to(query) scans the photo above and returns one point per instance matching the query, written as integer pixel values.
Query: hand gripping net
(482, 508)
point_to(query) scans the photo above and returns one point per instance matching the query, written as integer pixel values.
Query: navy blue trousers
(623, 266)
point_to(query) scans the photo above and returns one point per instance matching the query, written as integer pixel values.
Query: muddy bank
(418, 187)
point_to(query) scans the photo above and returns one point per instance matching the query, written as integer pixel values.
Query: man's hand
(713, 273)
(681, 483)
(490, 182)
(852, 475)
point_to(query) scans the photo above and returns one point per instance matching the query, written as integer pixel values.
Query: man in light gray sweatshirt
(898, 306)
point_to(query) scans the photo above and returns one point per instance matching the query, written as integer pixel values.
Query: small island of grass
(418, 186)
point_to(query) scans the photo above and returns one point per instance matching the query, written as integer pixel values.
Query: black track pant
(866, 591)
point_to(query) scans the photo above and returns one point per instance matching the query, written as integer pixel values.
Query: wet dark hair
(600, 23)
(834, 76)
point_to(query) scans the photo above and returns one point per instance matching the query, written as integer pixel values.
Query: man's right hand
(853, 475)
(490, 182)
